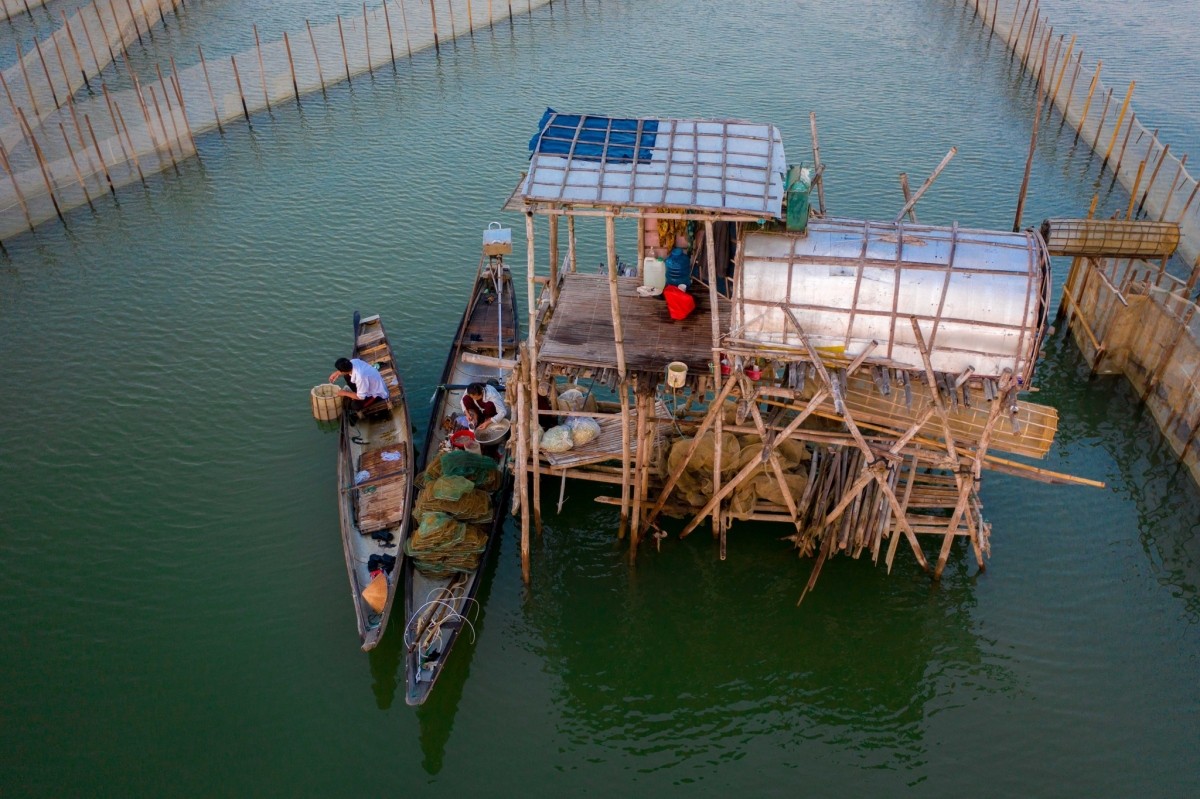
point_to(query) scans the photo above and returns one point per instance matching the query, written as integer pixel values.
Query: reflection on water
(687, 657)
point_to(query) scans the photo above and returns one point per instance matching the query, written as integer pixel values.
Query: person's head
(343, 365)
(475, 390)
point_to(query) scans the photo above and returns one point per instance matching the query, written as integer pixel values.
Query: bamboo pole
(925, 186)
(453, 26)
(404, 22)
(817, 172)
(1034, 21)
(12, 175)
(316, 58)
(37, 149)
(1124, 143)
(523, 463)
(1037, 115)
(367, 39)
(912, 212)
(571, 243)
(62, 64)
(1066, 62)
(162, 125)
(133, 18)
(471, 18)
(238, 79)
(87, 35)
(1179, 172)
(433, 15)
(11, 102)
(387, 21)
(208, 83)
(1117, 127)
(1103, 116)
(1012, 26)
(553, 260)
(1153, 176)
(639, 435)
(28, 85)
(162, 82)
(1071, 89)
(100, 154)
(345, 58)
(287, 46)
(619, 341)
(262, 72)
(128, 137)
(175, 84)
(1137, 181)
(37, 45)
(1088, 102)
(103, 29)
(116, 125)
(532, 353)
(75, 49)
(75, 165)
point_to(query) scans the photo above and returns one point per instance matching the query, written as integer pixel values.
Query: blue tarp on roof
(595, 138)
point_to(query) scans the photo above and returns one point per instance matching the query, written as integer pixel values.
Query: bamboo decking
(581, 330)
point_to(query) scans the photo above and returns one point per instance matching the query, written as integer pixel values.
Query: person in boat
(364, 385)
(484, 405)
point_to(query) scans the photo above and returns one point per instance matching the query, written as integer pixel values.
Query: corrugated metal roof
(709, 165)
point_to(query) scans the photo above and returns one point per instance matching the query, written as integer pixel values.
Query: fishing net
(456, 497)
(481, 470)
(442, 544)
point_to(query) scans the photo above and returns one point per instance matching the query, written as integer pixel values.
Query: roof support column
(610, 244)
(534, 441)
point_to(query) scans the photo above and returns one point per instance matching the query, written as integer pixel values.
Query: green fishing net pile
(453, 512)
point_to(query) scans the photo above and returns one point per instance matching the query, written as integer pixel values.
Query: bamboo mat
(385, 505)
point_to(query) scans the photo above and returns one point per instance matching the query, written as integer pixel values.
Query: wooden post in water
(133, 18)
(522, 466)
(75, 50)
(1103, 116)
(175, 84)
(129, 138)
(75, 164)
(238, 79)
(817, 172)
(170, 112)
(1174, 184)
(1153, 176)
(137, 90)
(12, 175)
(367, 41)
(100, 154)
(208, 83)
(453, 26)
(387, 21)
(610, 241)
(1137, 182)
(287, 46)
(108, 101)
(1117, 126)
(41, 159)
(1066, 62)
(1124, 143)
(262, 72)
(433, 15)
(316, 58)
(162, 125)
(38, 47)
(1037, 115)
(1087, 104)
(534, 442)
(345, 58)
(104, 30)
(404, 22)
(87, 35)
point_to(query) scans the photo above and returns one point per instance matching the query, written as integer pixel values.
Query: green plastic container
(799, 185)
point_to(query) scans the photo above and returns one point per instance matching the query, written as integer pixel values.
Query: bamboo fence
(1101, 117)
(61, 147)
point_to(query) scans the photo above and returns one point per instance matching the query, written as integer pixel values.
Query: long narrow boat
(375, 484)
(438, 606)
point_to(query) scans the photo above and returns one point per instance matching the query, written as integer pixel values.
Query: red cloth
(680, 304)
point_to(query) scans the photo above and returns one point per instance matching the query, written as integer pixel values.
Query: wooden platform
(581, 331)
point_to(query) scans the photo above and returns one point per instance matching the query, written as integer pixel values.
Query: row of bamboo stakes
(164, 112)
(1031, 45)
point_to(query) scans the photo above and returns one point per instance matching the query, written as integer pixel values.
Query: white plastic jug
(655, 273)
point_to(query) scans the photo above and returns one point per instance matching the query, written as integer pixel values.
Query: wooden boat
(438, 607)
(375, 484)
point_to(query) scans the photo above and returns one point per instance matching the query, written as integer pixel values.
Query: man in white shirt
(364, 384)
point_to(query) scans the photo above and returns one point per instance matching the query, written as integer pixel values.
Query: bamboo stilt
(100, 154)
(287, 46)
(345, 58)
(571, 242)
(28, 85)
(208, 83)
(437, 47)
(367, 39)
(238, 79)
(37, 45)
(107, 41)
(554, 260)
(75, 50)
(523, 464)
(1087, 104)
(1117, 126)
(532, 353)
(404, 22)
(817, 171)
(316, 58)
(387, 21)
(262, 72)
(1037, 115)
(41, 159)
(619, 341)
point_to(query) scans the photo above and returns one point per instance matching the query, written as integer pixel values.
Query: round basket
(326, 402)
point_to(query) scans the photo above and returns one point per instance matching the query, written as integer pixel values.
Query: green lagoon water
(174, 610)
